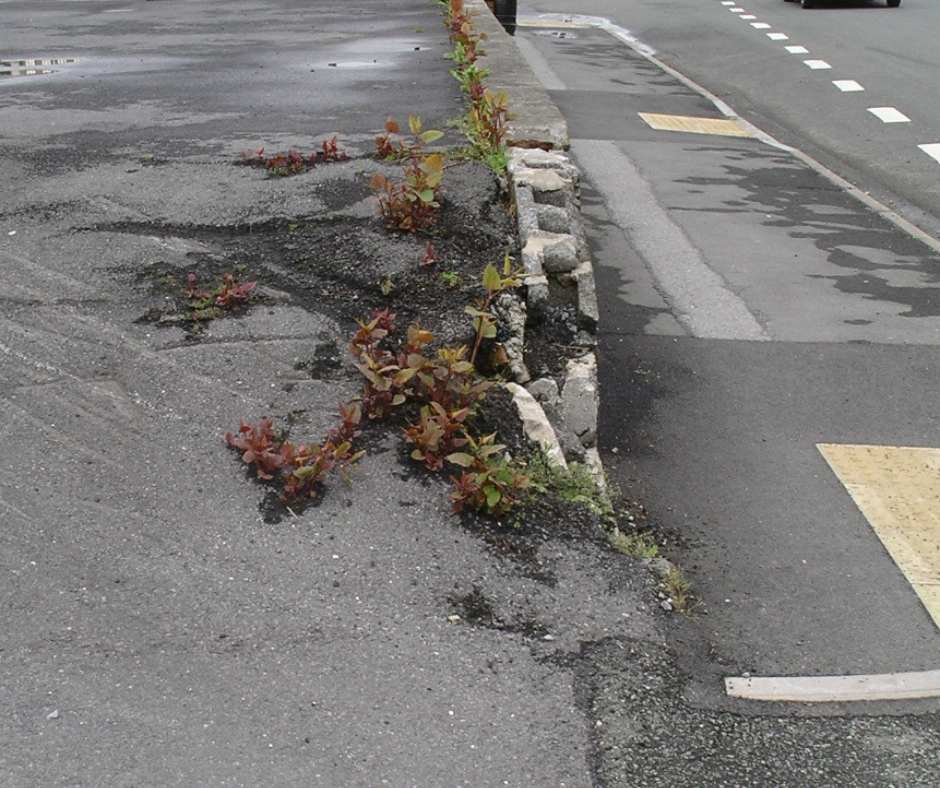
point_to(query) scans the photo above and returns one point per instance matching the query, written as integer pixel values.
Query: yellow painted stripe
(726, 127)
(898, 490)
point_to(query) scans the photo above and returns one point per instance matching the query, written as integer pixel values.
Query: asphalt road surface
(751, 312)
(891, 53)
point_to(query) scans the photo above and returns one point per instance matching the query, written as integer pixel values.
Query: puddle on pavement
(31, 67)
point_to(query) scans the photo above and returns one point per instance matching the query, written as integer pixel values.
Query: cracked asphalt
(155, 629)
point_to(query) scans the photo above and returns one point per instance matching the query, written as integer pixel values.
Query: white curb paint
(546, 74)
(760, 25)
(834, 689)
(889, 115)
(847, 85)
(932, 149)
(777, 36)
(816, 65)
(794, 50)
(700, 298)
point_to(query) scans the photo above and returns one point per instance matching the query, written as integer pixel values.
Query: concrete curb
(535, 121)
(545, 188)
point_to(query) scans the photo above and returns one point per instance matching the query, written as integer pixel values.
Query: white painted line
(760, 25)
(747, 16)
(932, 149)
(797, 50)
(829, 689)
(546, 74)
(727, 2)
(777, 36)
(816, 65)
(889, 115)
(847, 85)
(736, 10)
(701, 300)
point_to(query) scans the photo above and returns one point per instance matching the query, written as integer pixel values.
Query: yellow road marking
(898, 490)
(726, 127)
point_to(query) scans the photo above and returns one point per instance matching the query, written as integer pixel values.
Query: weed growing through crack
(229, 294)
(636, 545)
(494, 284)
(485, 123)
(576, 484)
(410, 204)
(293, 162)
(451, 278)
(300, 468)
(678, 589)
(445, 386)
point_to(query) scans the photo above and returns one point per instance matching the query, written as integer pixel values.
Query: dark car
(812, 3)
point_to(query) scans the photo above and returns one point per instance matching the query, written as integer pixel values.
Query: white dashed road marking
(847, 85)
(889, 115)
(736, 10)
(759, 25)
(816, 65)
(747, 16)
(777, 36)
(727, 2)
(797, 50)
(931, 149)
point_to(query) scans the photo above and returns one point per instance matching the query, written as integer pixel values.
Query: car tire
(806, 3)
(894, 3)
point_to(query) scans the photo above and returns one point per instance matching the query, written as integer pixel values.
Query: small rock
(536, 425)
(580, 399)
(561, 256)
(53, 715)
(548, 637)
(666, 605)
(553, 219)
(453, 618)
(545, 390)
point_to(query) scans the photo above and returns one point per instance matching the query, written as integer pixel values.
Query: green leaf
(414, 123)
(461, 458)
(431, 135)
(493, 496)
(491, 279)
(426, 196)
(398, 399)
(402, 377)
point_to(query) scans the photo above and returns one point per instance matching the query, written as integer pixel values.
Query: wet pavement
(750, 310)
(155, 629)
